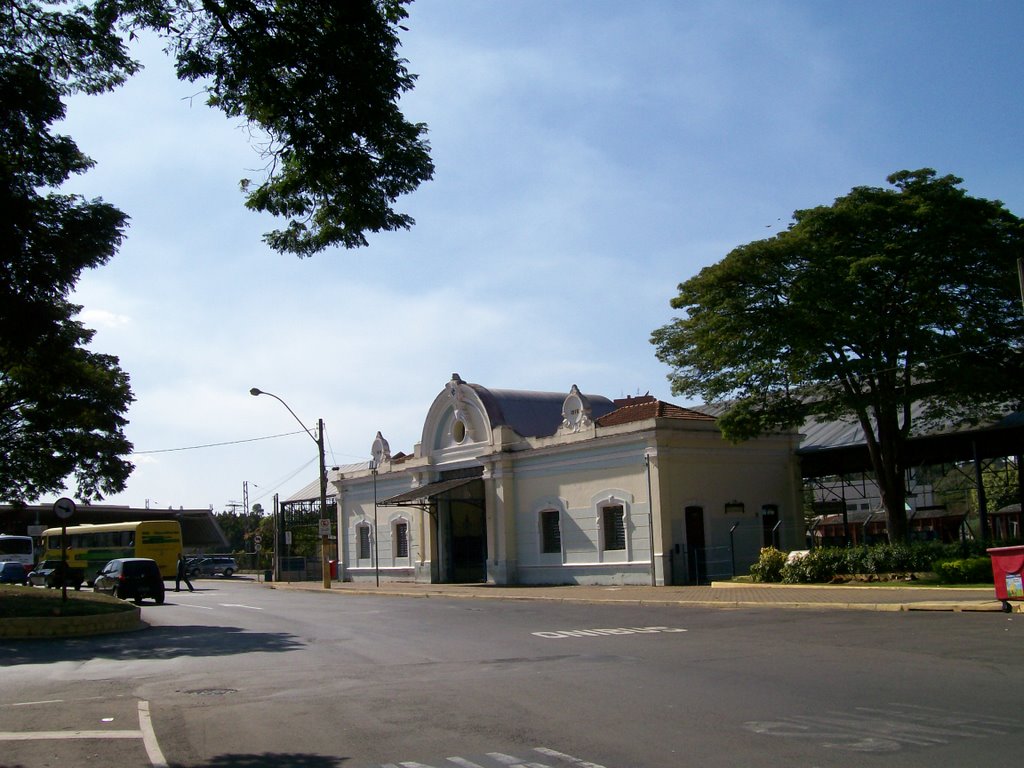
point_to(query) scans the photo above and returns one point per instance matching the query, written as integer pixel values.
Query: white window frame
(395, 558)
(541, 541)
(360, 527)
(602, 501)
(539, 507)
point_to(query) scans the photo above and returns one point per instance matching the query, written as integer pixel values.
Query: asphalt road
(236, 675)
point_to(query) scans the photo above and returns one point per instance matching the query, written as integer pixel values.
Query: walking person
(181, 575)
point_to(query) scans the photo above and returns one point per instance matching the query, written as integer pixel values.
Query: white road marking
(514, 762)
(509, 761)
(240, 605)
(156, 756)
(61, 735)
(31, 703)
(567, 758)
(145, 733)
(885, 729)
(557, 635)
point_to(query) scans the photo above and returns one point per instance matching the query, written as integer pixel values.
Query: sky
(590, 156)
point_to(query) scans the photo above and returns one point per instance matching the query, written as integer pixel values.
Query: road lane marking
(145, 733)
(156, 756)
(566, 758)
(557, 635)
(513, 762)
(240, 605)
(61, 735)
(31, 703)
(888, 728)
(503, 761)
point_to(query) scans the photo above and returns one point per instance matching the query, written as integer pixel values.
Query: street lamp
(319, 440)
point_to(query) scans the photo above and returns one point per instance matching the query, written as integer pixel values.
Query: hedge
(825, 564)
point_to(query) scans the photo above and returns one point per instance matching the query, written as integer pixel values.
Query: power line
(218, 445)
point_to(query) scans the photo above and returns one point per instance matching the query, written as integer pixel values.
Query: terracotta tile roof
(650, 409)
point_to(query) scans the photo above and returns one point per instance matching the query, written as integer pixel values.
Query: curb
(46, 627)
(993, 606)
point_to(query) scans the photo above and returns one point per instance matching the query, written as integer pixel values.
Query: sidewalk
(719, 594)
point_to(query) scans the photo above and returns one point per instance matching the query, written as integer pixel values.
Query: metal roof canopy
(1005, 438)
(420, 497)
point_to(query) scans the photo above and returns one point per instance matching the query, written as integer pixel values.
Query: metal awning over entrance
(420, 497)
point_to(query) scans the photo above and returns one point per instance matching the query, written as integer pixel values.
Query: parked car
(131, 578)
(213, 565)
(13, 573)
(48, 574)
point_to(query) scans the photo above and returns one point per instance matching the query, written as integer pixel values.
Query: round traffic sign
(64, 508)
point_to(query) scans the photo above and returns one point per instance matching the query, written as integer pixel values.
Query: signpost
(64, 508)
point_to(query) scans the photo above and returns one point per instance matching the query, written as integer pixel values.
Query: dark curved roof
(532, 414)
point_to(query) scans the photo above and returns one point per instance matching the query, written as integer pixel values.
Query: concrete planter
(74, 626)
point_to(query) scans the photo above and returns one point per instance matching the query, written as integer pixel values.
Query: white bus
(17, 549)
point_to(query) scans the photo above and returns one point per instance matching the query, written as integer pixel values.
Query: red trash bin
(334, 568)
(1007, 566)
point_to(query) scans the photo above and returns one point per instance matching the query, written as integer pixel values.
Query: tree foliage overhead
(61, 406)
(321, 81)
(317, 82)
(891, 306)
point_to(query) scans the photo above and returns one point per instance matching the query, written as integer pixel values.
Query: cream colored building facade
(520, 487)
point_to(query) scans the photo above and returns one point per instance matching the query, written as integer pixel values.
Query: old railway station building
(521, 487)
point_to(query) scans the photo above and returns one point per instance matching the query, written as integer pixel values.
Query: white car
(214, 565)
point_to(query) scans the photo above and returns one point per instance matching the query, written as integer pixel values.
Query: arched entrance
(462, 535)
(455, 509)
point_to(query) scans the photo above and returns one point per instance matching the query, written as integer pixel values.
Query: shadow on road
(265, 760)
(153, 643)
(269, 760)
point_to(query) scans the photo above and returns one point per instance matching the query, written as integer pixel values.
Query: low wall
(74, 626)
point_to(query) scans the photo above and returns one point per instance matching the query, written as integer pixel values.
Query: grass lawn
(35, 602)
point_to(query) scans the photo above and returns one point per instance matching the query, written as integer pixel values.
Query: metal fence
(702, 565)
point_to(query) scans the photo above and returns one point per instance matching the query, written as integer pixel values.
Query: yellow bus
(90, 547)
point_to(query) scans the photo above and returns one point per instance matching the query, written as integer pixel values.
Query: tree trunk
(885, 450)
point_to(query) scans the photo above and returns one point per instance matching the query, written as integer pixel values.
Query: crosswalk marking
(566, 758)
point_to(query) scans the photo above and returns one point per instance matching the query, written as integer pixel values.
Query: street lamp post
(319, 440)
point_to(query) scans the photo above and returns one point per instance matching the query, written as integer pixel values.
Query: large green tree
(318, 82)
(61, 406)
(897, 307)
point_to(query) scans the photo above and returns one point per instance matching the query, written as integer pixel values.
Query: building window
(613, 524)
(364, 542)
(550, 532)
(401, 539)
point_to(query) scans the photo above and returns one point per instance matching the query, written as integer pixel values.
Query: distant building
(521, 487)
(199, 528)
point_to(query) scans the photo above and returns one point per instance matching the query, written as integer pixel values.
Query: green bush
(768, 567)
(879, 559)
(818, 566)
(971, 570)
(957, 563)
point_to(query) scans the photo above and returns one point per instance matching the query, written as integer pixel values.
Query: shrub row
(824, 564)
